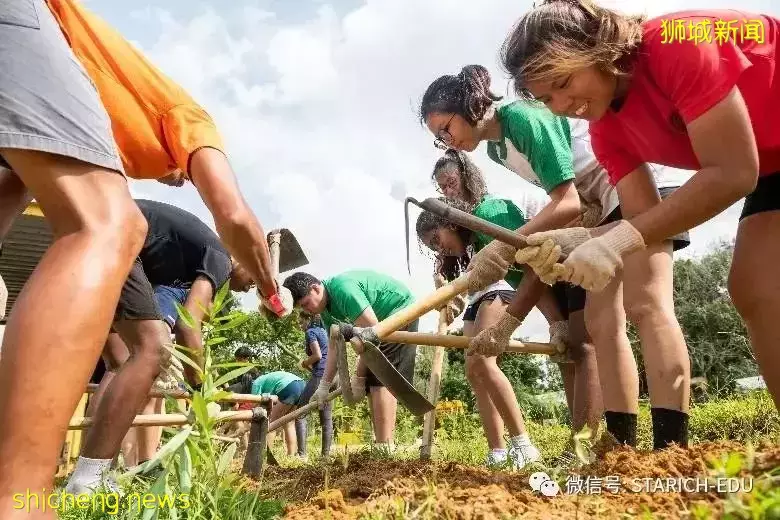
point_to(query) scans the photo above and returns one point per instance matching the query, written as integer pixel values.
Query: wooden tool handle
(180, 394)
(472, 222)
(449, 341)
(303, 410)
(434, 300)
(170, 419)
(274, 239)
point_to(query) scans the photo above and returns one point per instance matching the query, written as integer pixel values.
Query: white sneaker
(108, 484)
(496, 458)
(523, 455)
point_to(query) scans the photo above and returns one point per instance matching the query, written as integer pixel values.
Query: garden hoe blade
(394, 381)
(389, 376)
(291, 255)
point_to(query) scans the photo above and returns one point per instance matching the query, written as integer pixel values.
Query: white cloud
(319, 116)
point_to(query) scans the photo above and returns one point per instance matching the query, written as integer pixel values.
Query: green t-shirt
(532, 135)
(506, 214)
(273, 382)
(350, 293)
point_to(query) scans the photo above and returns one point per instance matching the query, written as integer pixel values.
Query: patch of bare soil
(390, 489)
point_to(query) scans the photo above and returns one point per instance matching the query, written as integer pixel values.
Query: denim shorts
(167, 296)
(291, 393)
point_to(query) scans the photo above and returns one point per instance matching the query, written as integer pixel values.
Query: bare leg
(383, 408)
(148, 438)
(14, 197)
(754, 286)
(98, 232)
(279, 410)
(587, 407)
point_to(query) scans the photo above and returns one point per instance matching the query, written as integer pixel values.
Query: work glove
(278, 305)
(358, 385)
(490, 265)
(559, 335)
(454, 308)
(171, 373)
(594, 263)
(590, 214)
(493, 340)
(546, 248)
(321, 394)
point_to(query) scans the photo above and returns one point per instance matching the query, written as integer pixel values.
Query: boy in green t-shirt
(362, 298)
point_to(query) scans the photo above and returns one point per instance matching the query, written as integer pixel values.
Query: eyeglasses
(444, 137)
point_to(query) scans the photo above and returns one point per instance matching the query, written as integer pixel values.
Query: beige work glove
(358, 385)
(593, 264)
(493, 340)
(591, 214)
(171, 372)
(559, 335)
(454, 308)
(546, 248)
(321, 394)
(278, 305)
(490, 265)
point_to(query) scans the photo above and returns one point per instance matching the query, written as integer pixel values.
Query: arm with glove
(493, 340)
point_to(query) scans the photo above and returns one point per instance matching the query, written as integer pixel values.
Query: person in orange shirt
(158, 130)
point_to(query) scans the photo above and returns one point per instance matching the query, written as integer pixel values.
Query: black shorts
(766, 196)
(137, 301)
(570, 298)
(471, 311)
(400, 355)
(680, 241)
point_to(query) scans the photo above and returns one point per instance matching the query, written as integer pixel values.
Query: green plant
(191, 468)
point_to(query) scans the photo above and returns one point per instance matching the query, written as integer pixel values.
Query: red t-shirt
(674, 83)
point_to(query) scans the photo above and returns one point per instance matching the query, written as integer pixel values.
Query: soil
(400, 489)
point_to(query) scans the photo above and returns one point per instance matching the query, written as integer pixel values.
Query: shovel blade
(337, 346)
(394, 381)
(291, 255)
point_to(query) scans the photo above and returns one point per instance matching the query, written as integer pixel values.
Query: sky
(317, 101)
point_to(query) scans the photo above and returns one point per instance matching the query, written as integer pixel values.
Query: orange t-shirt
(156, 124)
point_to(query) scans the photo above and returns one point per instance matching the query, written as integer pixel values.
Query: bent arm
(236, 224)
(725, 145)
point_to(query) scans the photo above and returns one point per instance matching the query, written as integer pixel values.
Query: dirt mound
(392, 489)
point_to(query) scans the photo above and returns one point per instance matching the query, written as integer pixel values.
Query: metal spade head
(291, 255)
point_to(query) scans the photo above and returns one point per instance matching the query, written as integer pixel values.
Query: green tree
(277, 344)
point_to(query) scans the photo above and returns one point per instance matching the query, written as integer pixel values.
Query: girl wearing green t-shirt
(544, 149)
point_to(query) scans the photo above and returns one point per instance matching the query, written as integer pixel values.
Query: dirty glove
(490, 265)
(277, 305)
(593, 264)
(171, 373)
(358, 385)
(321, 394)
(591, 214)
(547, 247)
(559, 335)
(454, 308)
(493, 340)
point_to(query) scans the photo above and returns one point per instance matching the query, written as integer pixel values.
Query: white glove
(321, 394)
(547, 247)
(171, 373)
(593, 264)
(559, 335)
(358, 385)
(279, 305)
(490, 265)
(493, 340)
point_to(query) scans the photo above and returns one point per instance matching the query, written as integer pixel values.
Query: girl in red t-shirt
(697, 90)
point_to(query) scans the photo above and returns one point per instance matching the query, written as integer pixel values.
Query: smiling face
(584, 94)
(453, 131)
(444, 240)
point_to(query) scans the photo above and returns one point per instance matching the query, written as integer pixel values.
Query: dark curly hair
(243, 352)
(300, 284)
(470, 174)
(448, 266)
(466, 94)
